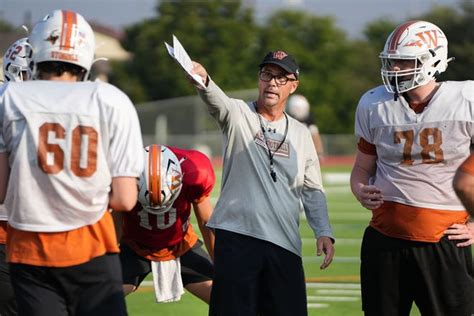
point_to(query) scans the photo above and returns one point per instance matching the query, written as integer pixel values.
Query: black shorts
(254, 276)
(438, 277)
(92, 288)
(196, 266)
(7, 299)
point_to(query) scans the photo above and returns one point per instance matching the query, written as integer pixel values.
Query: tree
(223, 36)
(334, 69)
(220, 34)
(5, 27)
(457, 24)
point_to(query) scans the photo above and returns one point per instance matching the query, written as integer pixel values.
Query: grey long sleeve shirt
(251, 203)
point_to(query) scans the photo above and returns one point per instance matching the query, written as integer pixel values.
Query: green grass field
(331, 292)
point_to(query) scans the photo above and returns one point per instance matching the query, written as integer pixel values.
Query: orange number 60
(45, 148)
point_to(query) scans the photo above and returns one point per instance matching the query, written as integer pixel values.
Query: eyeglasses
(279, 79)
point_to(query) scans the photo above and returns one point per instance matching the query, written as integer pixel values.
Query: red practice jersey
(147, 233)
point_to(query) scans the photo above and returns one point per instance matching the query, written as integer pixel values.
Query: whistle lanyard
(270, 154)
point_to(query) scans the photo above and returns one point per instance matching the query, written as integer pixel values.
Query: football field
(331, 292)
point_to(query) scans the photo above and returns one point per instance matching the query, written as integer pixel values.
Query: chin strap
(393, 82)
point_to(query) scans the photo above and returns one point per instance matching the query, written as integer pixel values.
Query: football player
(16, 60)
(413, 134)
(15, 69)
(157, 233)
(67, 155)
(298, 107)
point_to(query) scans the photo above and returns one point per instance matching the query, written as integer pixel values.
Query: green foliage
(5, 27)
(377, 32)
(220, 33)
(457, 24)
(324, 55)
(224, 37)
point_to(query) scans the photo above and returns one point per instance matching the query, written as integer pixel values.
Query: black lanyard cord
(270, 154)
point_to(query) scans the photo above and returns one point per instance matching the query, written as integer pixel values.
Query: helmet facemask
(16, 61)
(15, 73)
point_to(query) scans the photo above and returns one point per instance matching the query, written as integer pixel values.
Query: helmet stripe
(154, 177)
(397, 34)
(69, 24)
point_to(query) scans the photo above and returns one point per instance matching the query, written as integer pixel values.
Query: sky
(350, 15)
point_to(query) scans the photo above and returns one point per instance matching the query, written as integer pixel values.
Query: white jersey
(418, 154)
(3, 210)
(65, 141)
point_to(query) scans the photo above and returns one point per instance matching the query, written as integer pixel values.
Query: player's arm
(317, 141)
(463, 184)
(124, 193)
(203, 212)
(364, 168)
(462, 233)
(118, 220)
(4, 175)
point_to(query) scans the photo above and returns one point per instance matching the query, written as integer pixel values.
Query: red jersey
(147, 233)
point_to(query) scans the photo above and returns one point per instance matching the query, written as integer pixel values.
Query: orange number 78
(427, 147)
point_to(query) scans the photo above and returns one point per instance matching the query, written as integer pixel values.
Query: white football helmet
(161, 181)
(297, 106)
(16, 61)
(63, 36)
(420, 41)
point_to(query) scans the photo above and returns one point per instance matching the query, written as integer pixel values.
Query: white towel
(167, 280)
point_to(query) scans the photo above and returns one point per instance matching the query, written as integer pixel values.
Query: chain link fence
(184, 122)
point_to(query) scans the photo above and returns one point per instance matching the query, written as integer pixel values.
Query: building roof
(107, 43)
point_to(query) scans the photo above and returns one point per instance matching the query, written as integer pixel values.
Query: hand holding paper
(178, 53)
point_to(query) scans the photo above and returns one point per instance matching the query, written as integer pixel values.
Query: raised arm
(199, 70)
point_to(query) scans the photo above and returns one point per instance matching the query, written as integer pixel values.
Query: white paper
(178, 53)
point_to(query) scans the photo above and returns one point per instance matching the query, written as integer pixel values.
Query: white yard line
(316, 305)
(333, 298)
(349, 292)
(320, 285)
(338, 292)
(336, 177)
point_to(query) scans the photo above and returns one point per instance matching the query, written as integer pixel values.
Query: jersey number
(56, 154)
(12, 53)
(427, 146)
(163, 221)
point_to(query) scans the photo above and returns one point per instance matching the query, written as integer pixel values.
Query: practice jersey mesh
(65, 143)
(417, 156)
